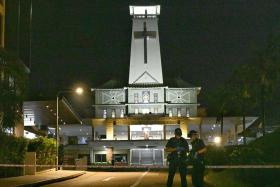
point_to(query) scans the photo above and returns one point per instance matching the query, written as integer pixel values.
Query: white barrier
(151, 167)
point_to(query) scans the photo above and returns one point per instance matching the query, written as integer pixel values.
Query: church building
(133, 123)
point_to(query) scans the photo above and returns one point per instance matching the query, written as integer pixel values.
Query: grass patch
(244, 178)
(224, 178)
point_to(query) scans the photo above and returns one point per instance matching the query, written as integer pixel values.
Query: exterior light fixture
(217, 140)
(79, 90)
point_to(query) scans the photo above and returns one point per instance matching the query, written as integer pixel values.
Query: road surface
(121, 179)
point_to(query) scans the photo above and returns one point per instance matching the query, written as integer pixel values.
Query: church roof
(112, 83)
(170, 82)
(177, 83)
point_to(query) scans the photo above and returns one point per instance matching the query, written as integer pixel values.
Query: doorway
(146, 156)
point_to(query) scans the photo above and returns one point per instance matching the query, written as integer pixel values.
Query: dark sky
(88, 41)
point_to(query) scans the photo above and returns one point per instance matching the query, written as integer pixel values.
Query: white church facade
(132, 124)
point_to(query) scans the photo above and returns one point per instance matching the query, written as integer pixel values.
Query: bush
(246, 155)
(12, 151)
(269, 146)
(265, 150)
(216, 155)
(45, 151)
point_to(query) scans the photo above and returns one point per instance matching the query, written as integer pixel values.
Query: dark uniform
(198, 163)
(177, 159)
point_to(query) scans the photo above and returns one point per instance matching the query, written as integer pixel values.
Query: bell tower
(145, 60)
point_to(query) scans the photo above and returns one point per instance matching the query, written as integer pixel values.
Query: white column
(109, 131)
(184, 128)
(91, 156)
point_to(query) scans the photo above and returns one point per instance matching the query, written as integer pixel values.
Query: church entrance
(146, 156)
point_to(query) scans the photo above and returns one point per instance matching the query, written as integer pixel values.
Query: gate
(146, 157)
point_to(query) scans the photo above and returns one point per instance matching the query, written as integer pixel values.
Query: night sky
(88, 41)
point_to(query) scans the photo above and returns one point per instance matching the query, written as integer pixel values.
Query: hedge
(265, 150)
(45, 149)
(12, 151)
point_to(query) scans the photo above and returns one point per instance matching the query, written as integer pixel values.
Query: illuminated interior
(146, 132)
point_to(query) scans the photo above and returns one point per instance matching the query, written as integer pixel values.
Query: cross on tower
(145, 34)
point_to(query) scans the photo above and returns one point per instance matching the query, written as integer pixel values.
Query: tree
(257, 81)
(218, 104)
(13, 86)
(243, 91)
(267, 66)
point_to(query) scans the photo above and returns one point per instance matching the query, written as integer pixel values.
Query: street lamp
(78, 91)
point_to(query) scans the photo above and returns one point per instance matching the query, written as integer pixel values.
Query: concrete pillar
(184, 128)
(109, 131)
(128, 132)
(91, 156)
(164, 132)
(92, 133)
(109, 154)
(81, 164)
(30, 159)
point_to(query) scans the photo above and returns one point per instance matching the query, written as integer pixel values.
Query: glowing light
(217, 140)
(140, 10)
(79, 90)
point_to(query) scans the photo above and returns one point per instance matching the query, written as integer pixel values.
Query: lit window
(136, 111)
(146, 96)
(170, 112)
(104, 113)
(179, 112)
(155, 97)
(122, 113)
(188, 112)
(100, 157)
(145, 111)
(113, 113)
(156, 110)
(136, 98)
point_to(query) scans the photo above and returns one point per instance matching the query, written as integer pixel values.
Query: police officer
(197, 158)
(177, 147)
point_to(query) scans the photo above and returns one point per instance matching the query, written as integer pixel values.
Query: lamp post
(78, 91)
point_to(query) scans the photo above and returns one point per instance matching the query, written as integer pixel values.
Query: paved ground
(38, 178)
(121, 179)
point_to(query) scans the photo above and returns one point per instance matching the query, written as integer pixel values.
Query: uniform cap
(178, 132)
(192, 132)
